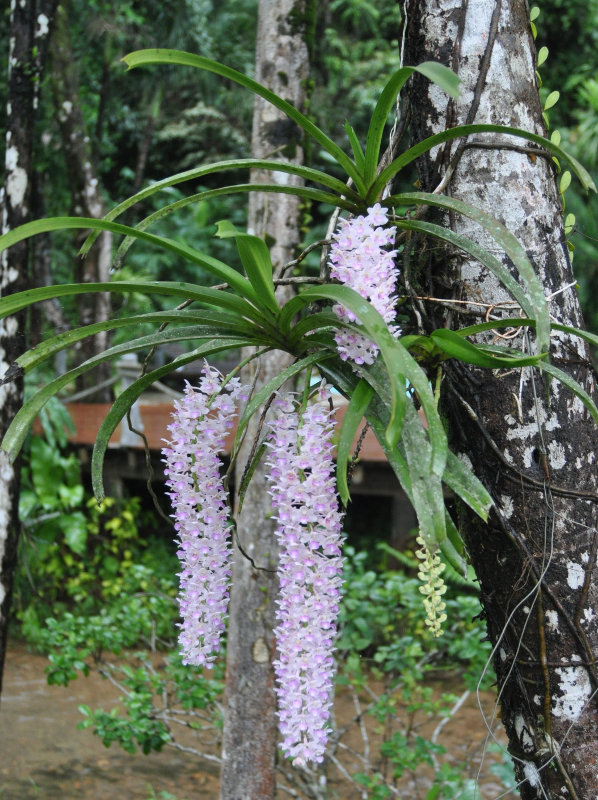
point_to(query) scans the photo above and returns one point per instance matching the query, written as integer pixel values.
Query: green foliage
(382, 627)
(76, 555)
(421, 459)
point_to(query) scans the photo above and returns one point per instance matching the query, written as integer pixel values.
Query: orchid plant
(352, 341)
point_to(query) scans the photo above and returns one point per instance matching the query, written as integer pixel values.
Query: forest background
(134, 132)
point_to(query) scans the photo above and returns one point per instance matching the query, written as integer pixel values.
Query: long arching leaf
(315, 195)
(477, 251)
(186, 291)
(437, 73)
(161, 56)
(459, 132)
(358, 404)
(49, 347)
(307, 173)
(400, 365)
(217, 268)
(256, 260)
(456, 346)
(572, 384)
(20, 425)
(511, 246)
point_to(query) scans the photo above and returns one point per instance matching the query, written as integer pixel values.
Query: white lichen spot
(507, 506)
(585, 557)
(537, 700)
(575, 575)
(588, 614)
(552, 620)
(576, 688)
(526, 609)
(11, 326)
(523, 734)
(556, 455)
(528, 456)
(16, 182)
(502, 654)
(67, 107)
(531, 773)
(508, 457)
(43, 25)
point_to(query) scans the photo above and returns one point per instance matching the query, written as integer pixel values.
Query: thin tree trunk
(250, 729)
(30, 24)
(533, 445)
(86, 199)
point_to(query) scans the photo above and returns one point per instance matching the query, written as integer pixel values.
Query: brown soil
(45, 757)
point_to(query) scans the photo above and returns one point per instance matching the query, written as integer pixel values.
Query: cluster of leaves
(247, 312)
(105, 561)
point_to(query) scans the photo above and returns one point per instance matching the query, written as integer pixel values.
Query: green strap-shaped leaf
(358, 404)
(249, 472)
(464, 484)
(255, 257)
(572, 384)
(437, 73)
(19, 427)
(357, 149)
(49, 347)
(460, 131)
(477, 251)
(126, 399)
(186, 291)
(345, 380)
(517, 322)
(426, 486)
(307, 173)
(215, 267)
(456, 346)
(161, 56)
(314, 195)
(400, 365)
(513, 249)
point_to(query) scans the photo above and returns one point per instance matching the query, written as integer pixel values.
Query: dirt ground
(45, 757)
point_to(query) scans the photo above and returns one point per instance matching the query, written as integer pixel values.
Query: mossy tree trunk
(30, 25)
(534, 445)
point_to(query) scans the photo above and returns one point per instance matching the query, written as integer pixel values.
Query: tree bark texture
(250, 728)
(30, 24)
(534, 445)
(86, 200)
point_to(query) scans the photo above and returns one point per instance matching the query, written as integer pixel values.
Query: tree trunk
(30, 24)
(533, 446)
(250, 729)
(86, 201)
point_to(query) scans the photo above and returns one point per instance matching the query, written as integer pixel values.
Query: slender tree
(30, 24)
(86, 196)
(531, 442)
(250, 728)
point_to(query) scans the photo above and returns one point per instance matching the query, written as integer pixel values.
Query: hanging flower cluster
(302, 487)
(433, 586)
(201, 420)
(360, 259)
